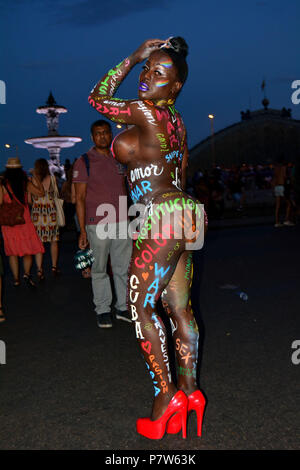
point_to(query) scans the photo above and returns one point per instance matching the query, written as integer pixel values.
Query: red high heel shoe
(156, 429)
(196, 402)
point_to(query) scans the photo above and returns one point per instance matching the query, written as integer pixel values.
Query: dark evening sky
(66, 46)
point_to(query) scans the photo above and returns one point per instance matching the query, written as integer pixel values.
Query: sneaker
(278, 225)
(289, 223)
(104, 320)
(123, 315)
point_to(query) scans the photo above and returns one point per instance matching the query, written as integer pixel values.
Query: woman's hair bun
(180, 46)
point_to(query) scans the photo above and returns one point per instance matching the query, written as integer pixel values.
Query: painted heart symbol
(145, 276)
(150, 267)
(147, 346)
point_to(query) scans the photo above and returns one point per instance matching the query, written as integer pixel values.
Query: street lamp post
(213, 153)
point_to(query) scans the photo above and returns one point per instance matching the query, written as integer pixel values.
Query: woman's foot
(17, 282)
(40, 275)
(28, 279)
(161, 403)
(55, 271)
(2, 317)
(188, 390)
(155, 429)
(196, 402)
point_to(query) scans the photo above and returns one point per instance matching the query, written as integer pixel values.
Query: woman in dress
(20, 240)
(2, 316)
(44, 216)
(154, 148)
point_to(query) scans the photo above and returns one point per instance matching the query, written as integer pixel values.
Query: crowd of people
(215, 187)
(36, 193)
(82, 185)
(26, 238)
(159, 266)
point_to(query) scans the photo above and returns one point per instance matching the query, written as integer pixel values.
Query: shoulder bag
(60, 215)
(11, 213)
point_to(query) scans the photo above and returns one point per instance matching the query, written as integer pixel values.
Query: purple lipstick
(143, 87)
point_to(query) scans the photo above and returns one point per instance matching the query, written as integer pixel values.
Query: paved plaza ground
(67, 384)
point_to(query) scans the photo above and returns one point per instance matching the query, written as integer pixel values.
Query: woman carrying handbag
(46, 215)
(20, 240)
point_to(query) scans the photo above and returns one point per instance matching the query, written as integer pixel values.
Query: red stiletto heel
(156, 429)
(196, 402)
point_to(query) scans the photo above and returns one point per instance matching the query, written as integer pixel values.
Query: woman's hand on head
(148, 46)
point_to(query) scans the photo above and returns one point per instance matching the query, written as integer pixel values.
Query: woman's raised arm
(115, 109)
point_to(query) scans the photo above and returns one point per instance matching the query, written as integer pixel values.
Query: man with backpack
(99, 182)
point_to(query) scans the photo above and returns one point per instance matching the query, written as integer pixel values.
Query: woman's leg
(288, 210)
(153, 264)
(27, 263)
(14, 266)
(176, 300)
(39, 261)
(54, 253)
(149, 274)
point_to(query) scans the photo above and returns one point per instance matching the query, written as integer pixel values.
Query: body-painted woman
(154, 148)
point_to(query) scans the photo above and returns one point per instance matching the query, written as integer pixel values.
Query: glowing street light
(8, 146)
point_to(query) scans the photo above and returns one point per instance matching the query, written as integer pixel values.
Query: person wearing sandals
(44, 216)
(20, 240)
(2, 316)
